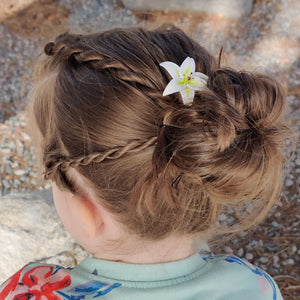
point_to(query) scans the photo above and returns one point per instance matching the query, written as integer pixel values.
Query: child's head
(159, 166)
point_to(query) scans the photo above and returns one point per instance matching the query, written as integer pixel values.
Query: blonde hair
(161, 167)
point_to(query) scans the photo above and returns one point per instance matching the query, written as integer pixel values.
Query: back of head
(160, 166)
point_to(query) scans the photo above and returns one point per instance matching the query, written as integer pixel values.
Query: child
(147, 140)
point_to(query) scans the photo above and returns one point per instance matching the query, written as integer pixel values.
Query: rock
(289, 261)
(289, 182)
(11, 7)
(20, 172)
(249, 256)
(30, 230)
(240, 252)
(263, 259)
(228, 249)
(227, 8)
(275, 224)
(294, 249)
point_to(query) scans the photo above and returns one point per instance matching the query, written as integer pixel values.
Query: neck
(151, 252)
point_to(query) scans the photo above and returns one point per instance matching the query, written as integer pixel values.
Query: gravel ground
(267, 41)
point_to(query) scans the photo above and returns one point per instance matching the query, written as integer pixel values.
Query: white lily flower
(184, 79)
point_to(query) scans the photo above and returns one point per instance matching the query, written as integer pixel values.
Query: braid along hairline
(122, 71)
(99, 61)
(64, 163)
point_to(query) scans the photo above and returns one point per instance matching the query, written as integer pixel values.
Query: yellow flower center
(186, 80)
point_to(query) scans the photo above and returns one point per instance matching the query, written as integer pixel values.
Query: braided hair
(160, 166)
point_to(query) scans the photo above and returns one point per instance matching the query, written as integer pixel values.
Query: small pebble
(228, 249)
(275, 259)
(20, 172)
(222, 217)
(289, 182)
(275, 224)
(240, 252)
(289, 261)
(277, 214)
(249, 256)
(294, 249)
(15, 164)
(25, 136)
(263, 259)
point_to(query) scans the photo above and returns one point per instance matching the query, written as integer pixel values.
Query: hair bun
(238, 109)
(258, 98)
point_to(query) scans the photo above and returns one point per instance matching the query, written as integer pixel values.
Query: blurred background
(258, 35)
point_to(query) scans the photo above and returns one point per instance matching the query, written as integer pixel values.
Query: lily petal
(201, 75)
(174, 86)
(187, 96)
(172, 68)
(187, 67)
(197, 83)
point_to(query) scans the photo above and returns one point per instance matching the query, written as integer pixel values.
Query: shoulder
(35, 280)
(242, 279)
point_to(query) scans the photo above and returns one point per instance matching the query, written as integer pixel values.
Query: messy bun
(229, 143)
(160, 166)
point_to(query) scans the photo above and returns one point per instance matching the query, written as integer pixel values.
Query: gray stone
(289, 261)
(289, 182)
(228, 8)
(263, 259)
(30, 230)
(249, 256)
(240, 252)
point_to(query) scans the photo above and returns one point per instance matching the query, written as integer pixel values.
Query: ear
(90, 214)
(80, 215)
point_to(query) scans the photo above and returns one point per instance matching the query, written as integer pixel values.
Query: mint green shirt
(197, 277)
